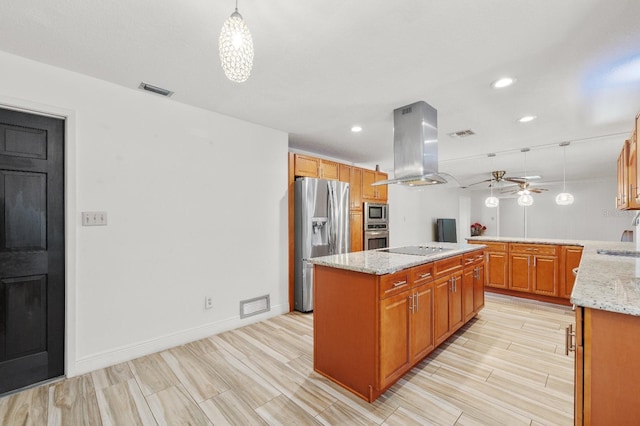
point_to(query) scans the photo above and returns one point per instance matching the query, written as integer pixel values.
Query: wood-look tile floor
(507, 366)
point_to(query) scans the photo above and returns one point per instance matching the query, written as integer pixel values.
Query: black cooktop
(417, 250)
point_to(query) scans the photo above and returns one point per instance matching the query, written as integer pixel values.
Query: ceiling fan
(524, 187)
(499, 176)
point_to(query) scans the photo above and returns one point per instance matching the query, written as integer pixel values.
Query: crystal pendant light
(525, 199)
(564, 198)
(236, 48)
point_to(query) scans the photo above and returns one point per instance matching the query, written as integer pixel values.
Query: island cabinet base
(369, 330)
(607, 377)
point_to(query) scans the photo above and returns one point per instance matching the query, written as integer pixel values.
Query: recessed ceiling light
(356, 129)
(503, 82)
(526, 118)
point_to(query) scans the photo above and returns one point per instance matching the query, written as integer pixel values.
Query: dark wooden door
(32, 257)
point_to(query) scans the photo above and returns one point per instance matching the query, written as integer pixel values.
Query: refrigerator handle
(331, 237)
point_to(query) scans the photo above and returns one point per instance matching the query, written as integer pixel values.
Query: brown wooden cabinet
(622, 197)
(369, 330)
(535, 271)
(570, 259)
(376, 194)
(496, 263)
(472, 284)
(305, 165)
(356, 230)
(448, 297)
(607, 382)
(355, 188)
(534, 268)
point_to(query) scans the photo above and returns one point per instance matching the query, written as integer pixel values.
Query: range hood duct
(415, 146)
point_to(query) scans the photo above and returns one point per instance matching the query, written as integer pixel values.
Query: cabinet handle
(417, 300)
(569, 334)
(399, 283)
(428, 274)
(411, 306)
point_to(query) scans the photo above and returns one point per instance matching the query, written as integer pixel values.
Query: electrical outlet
(94, 218)
(208, 302)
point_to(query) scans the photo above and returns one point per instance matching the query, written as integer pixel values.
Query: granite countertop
(609, 283)
(527, 240)
(380, 263)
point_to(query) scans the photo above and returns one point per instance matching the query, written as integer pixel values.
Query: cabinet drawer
(422, 274)
(492, 246)
(447, 266)
(392, 284)
(548, 249)
(472, 258)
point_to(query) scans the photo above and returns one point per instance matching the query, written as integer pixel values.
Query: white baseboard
(126, 353)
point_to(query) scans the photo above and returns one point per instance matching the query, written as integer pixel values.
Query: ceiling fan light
(492, 202)
(564, 199)
(525, 200)
(236, 48)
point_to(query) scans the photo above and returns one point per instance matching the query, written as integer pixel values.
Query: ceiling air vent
(155, 89)
(462, 133)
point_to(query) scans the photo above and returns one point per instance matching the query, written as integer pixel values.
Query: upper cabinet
(316, 167)
(377, 194)
(359, 179)
(628, 194)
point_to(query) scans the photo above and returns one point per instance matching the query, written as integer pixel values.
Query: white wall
(413, 211)
(182, 188)
(592, 216)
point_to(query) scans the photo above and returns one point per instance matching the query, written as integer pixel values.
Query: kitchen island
(606, 299)
(377, 313)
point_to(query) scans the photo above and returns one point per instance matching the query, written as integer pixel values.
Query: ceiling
(322, 66)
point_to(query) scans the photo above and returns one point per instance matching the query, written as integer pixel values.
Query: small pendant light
(525, 199)
(564, 198)
(236, 48)
(491, 201)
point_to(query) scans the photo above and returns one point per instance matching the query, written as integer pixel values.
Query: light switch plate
(94, 218)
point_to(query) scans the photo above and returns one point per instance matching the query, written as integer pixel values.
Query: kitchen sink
(624, 253)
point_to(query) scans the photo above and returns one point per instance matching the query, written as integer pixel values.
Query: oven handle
(376, 233)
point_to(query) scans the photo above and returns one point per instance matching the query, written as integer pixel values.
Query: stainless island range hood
(415, 146)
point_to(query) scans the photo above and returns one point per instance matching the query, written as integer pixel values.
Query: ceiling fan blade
(516, 180)
(478, 183)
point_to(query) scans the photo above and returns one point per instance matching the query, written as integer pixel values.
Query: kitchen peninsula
(606, 299)
(378, 313)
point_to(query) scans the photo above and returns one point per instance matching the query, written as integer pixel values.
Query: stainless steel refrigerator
(321, 228)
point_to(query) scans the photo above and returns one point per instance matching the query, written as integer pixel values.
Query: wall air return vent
(255, 306)
(462, 133)
(155, 89)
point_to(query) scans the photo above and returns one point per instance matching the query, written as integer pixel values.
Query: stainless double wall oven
(376, 226)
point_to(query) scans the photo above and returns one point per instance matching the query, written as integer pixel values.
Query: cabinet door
(572, 256)
(632, 167)
(468, 279)
(519, 267)
(478, 289)
(623, 178)
(422, 322)
(441, 309)
(306, 166)
(355, 189)
(545, 275)
(344, 174)
(356, 225)
(394, 337)
(579, 369)
(497, 263)
(368, 191)
(456, 318)
(381, 191)
(329, 170)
